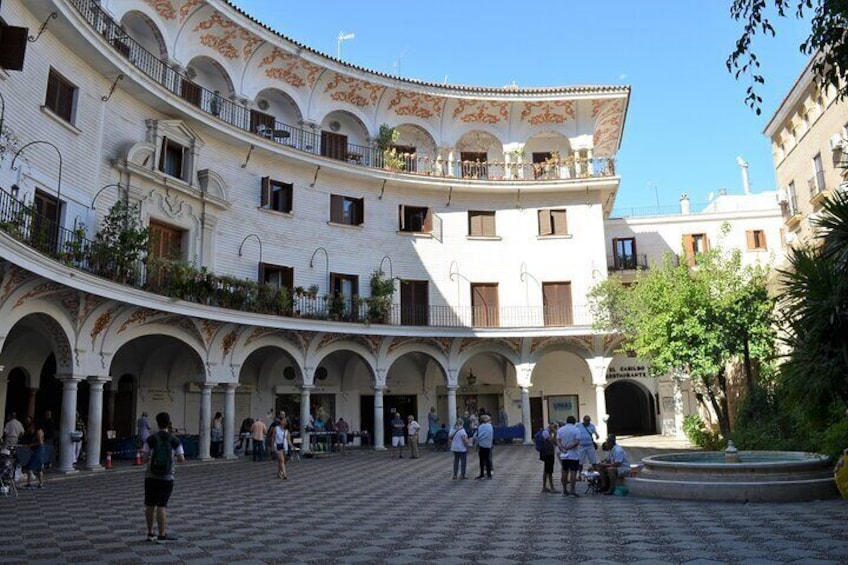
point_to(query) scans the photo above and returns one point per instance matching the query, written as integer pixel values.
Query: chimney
(746, 185)
(684, 204)
(722, 192)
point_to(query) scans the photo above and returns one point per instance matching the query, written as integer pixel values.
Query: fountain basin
(776, 476)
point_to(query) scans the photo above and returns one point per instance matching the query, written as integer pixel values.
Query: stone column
(229, 419)
(109, 400)
(379, 438)
(205, 439)
(451, 162)
(525, 415)
(601, 404)
(4, 382)
(33, 392)
(68, 422)
(304, 417)
(95, 422)
(451, 406)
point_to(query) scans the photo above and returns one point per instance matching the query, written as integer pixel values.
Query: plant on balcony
(394, 161)
(121, 244)
(380, 302)
(76, 248)
(336, 306)
(387, 136)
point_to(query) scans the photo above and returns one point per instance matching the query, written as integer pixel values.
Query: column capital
(204, 386)
(69, 377)
(307, 387)
(230, 387)
(99, 379)
(379, 388)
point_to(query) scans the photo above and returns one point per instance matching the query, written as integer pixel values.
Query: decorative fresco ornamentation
(372, 342)
(547, 112)
(356, 92)
(70, 301)
(481, 111)
(164, 8)
(208, 329)
(327, 339)
(580, 343)
(91, 301)
(227, 343)
(139, 317)
(424, 106)
(183, 323)
(222, 41)
(100, 325)
(60, 340)
(15, 277)
(608, 123)
(186, 8)
(294, 70)
(42, 289)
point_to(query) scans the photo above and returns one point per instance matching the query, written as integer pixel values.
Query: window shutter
(51, 98)
(401, 217)
(545, 222)
(266, 192)
(559, 223)
(689, 249)
(474, 224)
(487, 222)
(437, 227)
(360, 211)
(763, 240)
(706, 243)
(184, 153)
(428, 220)
(162, 151)
(13, 42)
(288, 278)
(261, 273)
(749, 237)
(336, 208)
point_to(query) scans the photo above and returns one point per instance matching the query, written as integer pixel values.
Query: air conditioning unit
(837, 143)
(782, 196)
(789, 238)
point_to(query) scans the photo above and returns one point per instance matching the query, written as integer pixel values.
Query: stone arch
(283, 104)
(269, 367)
(631, 407)
(141, 14)
(416, 347)
(211, 75)
(481, 139)
(417, 132)
(144, 31)
(351, 122)
(40, 321)
(123, 336)
(316, 358)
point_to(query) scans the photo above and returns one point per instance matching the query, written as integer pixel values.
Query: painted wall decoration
(481, 111)
(290, 69)
(166, 9)
(547, 112)
(225, 37)
(423, 106)
(609, 117)
(356, 92)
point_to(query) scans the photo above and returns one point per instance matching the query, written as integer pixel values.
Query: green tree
(814, 317)
(694, 321)
(828, 40)
(121, 244)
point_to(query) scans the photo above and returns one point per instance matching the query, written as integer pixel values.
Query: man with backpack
(161, 450)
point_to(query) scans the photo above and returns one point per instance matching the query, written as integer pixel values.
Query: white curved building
(251, 156)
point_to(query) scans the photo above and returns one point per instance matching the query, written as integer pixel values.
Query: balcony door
(556, 298)
(345, 287)
(333, 145)
(45, 223)
(484, 305)
(624, 250)
(166, 244)
(414, 303)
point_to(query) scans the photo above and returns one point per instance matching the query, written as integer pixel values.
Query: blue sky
(687, 120)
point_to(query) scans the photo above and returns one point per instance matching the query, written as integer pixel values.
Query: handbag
(594, 443)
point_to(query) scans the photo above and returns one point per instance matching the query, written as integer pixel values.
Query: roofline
(801, 83)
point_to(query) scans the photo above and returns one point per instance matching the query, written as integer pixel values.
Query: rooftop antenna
(342, 37)
(398, 62)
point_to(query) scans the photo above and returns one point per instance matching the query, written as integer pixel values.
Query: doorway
(631, 409)
(405, 404)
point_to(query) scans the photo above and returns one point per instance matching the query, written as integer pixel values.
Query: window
(261, 123)
(343, 288)
(756, 239)
(172, 159)
(481, 224)
(346, 210)
(552, 222)
(816, 184)
(694, 244)
(793, 199)
(414, 303)
(484, 305)
(624, 253)
(166, 242)
(415, 219)
(276, 275)
(191, 92)
(46, 222)
(13, 42)
(276, 195)
(61, 96)
(556, 300)
(333, 145)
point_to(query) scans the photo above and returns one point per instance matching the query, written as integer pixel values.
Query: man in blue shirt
(617, 464)
(485, 438)
(397, 434)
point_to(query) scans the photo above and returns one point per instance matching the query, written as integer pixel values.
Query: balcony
(627, 262)
(818, 187)
(309, 141)
(179, 280)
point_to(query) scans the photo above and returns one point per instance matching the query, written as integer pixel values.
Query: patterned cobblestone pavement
(367, 507)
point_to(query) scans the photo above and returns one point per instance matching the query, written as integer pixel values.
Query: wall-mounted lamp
(472, 380)
(116, 184)
(15, 191)
(257, 239)
(391, 269)
(58, 217)
(326, 264)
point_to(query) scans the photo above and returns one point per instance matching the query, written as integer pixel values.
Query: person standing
(547, 456)
(568, 441)
(485, 443)
(459, 443)
(342, 429)
(412, 428)
(13, 430)
(78, 436)
(397, 434)
(432, 425)
(588, 447)
(35, 465)
(217, 435)
(617, 464)
(258, 431)
(162, 451)
(282, 447)
(143, 426)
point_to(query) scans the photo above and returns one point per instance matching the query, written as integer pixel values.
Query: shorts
(157, 492)
(570, 464)
(549, 463)
(588, 454)
(397, 441)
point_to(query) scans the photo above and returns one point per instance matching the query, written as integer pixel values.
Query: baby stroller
(8, 467)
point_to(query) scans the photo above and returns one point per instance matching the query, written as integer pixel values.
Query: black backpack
(162, 455)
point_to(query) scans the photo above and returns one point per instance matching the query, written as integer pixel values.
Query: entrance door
(404, 404)
(414, 303)
(537, 419)
(631, 409)
(45, 223)
(333, 145)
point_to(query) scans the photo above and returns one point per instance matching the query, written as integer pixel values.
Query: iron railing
(816, 184)
(309, 141)
(627, 262)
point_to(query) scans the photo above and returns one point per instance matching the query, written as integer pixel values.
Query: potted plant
(380, 302)
(121, 244)
(387, 136)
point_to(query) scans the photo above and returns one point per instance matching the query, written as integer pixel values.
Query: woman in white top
(459, 443)
(283, 443)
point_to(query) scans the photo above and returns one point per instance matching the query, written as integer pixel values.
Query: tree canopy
(693, 321)
(828, 40)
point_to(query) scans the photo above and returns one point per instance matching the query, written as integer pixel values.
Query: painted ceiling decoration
(166, 9)
(293, 70)
(481, 111)
(547, 112)
(608, 124)
(426, 106)
(356, 92)
(220, 36)
(43, 289)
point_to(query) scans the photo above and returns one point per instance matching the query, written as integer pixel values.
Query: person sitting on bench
(617, 464)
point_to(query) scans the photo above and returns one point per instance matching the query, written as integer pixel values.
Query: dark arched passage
(631, 408)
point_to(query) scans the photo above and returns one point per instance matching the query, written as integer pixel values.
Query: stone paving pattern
(367, 507)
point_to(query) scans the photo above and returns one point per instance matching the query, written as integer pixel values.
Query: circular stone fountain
(757, 476)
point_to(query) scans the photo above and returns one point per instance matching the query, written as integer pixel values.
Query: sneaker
(166, 538)
(151, 537)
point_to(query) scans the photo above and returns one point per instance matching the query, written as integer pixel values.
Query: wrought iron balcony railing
(310, 141)
(627, 262)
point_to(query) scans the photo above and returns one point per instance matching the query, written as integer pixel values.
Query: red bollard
(108, 459)
(138, 457)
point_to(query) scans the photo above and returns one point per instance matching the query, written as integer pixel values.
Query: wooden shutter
(488, 224)
(706, 241)
(401, 217)
(484, 302)
(689, 249)
(556, 299)
(359, 207)
(545, 227)
(163, 149)
(475, 224)
(336, 208)
(763, 240)
(749, 237)
(428, 220)
(266, 192)
(13, 42)
(559, 224)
